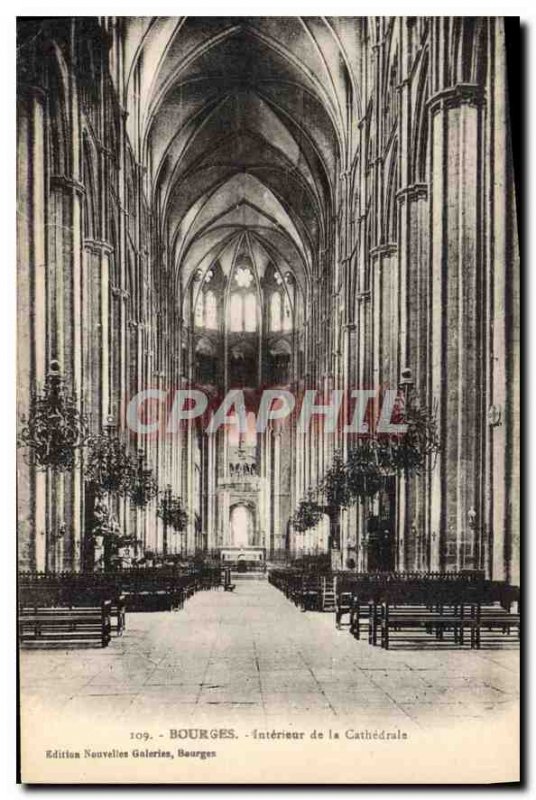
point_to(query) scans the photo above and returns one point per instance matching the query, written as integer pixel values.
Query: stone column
(456, 318)
(32, 355)
(211, 493)
(65, 312)
(500, 525)
(413, 525)
(98, 341)
(276, 536)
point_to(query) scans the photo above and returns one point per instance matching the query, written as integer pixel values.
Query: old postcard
(268, 400)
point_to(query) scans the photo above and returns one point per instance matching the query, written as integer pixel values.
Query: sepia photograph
(268, 400)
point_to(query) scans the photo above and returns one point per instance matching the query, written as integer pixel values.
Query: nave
(312, 204)
(251, 657)
(295, 213)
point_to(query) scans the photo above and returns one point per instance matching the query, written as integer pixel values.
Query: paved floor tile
(251, 655)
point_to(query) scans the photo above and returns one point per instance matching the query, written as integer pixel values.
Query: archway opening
(241, 526)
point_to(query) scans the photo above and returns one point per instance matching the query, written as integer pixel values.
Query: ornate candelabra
(110, 467)
(142, 487)
(54, 429)
(172, 513)
(408, 454)
(370, 463)
(307, 514)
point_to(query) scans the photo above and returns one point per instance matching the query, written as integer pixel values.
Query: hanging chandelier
(335, 486)
(372, 461)
(54, 429)
(365, 476)
(109, 465)
(142, 487)
(307, 514)
(410, 453)
(172, 511)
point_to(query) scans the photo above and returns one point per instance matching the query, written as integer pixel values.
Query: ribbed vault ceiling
(241, 123)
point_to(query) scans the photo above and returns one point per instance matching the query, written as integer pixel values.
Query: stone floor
(252, 656)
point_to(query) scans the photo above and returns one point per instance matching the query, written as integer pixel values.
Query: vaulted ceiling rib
(241, 121)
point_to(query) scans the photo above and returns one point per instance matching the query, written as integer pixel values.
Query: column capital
(32, 90)
(66, 183)
(462, 94)
(104, 150)
(98, 246)
(118, 292)
(416, 191)
(387, 249)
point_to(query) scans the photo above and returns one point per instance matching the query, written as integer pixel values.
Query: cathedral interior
(243, 202)
(320, 211)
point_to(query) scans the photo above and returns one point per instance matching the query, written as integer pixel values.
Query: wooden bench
(493, 615)
(313, 593)
(288, 581)
(417, 621)
(66, 588)
(307, 595)
(422, 609)
(343, 605)
(54, 596)
(441, 607)
(151, 590)
(135, 589)
(488, 623)
(493, 619)
(69, 627)
(117, 610)
(355, 592)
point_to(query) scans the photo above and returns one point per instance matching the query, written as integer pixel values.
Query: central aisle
(252, 656)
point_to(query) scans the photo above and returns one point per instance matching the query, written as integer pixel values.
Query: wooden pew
(117, 609)
(64, 591)
(309, 594)
(415, 621)
(307, 590)
(359, 594)
(136, 589)
(68, 627)
(493, 617)
(343, 605)
(422, 607)
(412, 606)
(443, 606)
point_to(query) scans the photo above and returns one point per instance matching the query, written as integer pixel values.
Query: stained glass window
(287, 314)
(199, 317)
(250, 312)
(236, 315)
(211, 310)
(275, 312)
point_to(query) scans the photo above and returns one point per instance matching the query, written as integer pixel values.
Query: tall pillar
(456, 256)
(501, 523)
(65, 311)
(32, 355)
(413, 524)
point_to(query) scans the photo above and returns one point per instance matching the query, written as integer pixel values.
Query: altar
(243, 558)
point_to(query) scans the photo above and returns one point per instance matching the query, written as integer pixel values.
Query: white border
(8, 314)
